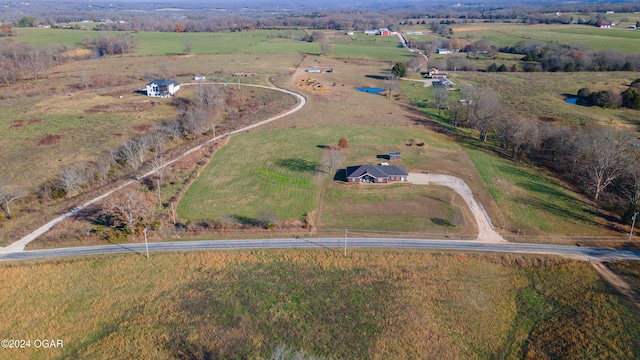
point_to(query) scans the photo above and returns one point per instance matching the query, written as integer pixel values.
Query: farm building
(313, 70)
(162, 88)
(376, 173)
(448, 84)
(604, 26)
(385, 32)
(443, 51)
(371, 32)
(394, 155)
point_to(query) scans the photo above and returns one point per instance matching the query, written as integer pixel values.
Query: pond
(572, 100)
(372, 90)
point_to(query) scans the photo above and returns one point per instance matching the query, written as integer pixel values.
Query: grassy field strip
(376, 304)
(22, 243)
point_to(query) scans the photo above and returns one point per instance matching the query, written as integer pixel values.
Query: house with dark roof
(376, 173)
(162, 88)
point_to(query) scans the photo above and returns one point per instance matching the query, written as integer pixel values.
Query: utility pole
(633, 224)
(346, 232)
(146, 244)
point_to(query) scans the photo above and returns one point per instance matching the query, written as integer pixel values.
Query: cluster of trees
(630, 98)
(556, 57)
(600, 161)
(20, 60)
(109, 45)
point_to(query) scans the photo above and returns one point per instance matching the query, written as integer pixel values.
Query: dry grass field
(371, 304)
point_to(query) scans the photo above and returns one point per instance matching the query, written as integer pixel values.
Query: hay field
(377, 304)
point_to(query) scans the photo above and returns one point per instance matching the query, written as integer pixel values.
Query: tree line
(603, 162)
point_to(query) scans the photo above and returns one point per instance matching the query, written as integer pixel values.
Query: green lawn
(275, 170)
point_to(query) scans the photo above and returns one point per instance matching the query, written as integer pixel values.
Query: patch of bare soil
(311, 84)
(49, 140)
(142, 128)
(15, 124)
(136, 106)
(616, 281)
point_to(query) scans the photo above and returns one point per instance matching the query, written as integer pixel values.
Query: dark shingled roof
(377, 171)
(162, 82)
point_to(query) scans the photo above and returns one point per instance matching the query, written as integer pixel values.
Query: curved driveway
(22, 243)
(486, 232)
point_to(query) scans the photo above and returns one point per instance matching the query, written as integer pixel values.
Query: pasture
(286, 172)
(584, 37)
(371, 304)
(528, 200)
(245, 42)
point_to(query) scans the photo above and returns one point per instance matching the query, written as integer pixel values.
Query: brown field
(377, 304)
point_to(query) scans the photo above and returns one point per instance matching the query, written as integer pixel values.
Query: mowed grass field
(370, 304)
(245, 42)
(277, 171)
(528, 200)
(583, 36)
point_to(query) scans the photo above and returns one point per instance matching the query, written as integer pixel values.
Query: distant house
(376, 174)
(162, 88)
(394, 155)
(349, 33)
(371, 32)
(443, 51)
(313, 70)
(385, 32)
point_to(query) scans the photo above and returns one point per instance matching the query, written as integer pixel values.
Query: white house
(443, 51)
(162, 88)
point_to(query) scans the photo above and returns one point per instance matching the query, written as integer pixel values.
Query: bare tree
(158, 164)
(484, 107)
(441, 96)
(457, 112)
(331, 159)
(9, 194)
(132, 152)
(129, 207)
(188, 47)
(72, 178)
(326, 48)
(605, 158)
(103, 167)
(393, 84)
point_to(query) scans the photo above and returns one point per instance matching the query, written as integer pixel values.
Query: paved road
(332, 244)
(22, 243)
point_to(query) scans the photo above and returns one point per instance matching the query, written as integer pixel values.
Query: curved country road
(22, 243)
(333, 244)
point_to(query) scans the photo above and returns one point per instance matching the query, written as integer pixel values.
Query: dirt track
(486, 232)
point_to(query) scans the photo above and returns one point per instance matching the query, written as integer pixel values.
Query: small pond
(372, 90)
(572, 100)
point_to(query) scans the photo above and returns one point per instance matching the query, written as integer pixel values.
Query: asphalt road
(331, 244)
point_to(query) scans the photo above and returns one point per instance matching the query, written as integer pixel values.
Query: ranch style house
(376, 173)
